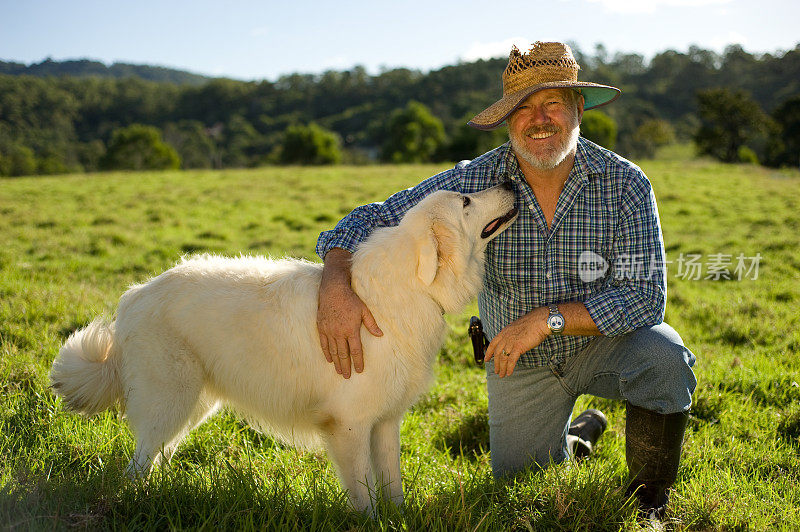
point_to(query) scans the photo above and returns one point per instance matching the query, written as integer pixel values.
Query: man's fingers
(332, 348)
(323, 342)
(356, 353)
(370, 323)
(337, 364)
(490, 349)
(512, 363)
(504, 362)
(500, 361)
(341, 343)
(342, 352)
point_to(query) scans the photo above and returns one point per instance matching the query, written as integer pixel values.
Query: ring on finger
(343, 355)
(504, 353)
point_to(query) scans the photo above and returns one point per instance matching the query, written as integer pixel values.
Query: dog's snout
(507, 185)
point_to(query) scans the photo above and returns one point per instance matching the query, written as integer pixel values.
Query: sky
(253, 40)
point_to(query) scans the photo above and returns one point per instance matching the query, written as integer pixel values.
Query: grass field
(70, 245)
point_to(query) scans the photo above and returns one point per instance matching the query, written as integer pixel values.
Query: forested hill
(81, 68)
(734, 106)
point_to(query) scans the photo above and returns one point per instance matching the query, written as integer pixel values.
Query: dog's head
(451, 231)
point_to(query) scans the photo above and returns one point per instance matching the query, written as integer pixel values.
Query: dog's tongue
(490, 227)
(495, 224)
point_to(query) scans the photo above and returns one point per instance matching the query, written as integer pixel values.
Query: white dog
(242, 332)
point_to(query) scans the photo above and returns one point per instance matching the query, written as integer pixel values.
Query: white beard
(554, 157)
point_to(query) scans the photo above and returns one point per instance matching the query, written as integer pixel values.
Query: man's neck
(553, 179)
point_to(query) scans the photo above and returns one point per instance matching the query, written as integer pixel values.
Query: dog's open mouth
(492, 227)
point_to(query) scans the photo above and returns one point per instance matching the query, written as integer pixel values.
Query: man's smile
(542, 131)
(542, 135)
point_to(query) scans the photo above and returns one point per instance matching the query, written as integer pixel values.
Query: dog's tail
(86, 371)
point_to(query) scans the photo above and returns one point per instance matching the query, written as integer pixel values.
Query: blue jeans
(530, 410)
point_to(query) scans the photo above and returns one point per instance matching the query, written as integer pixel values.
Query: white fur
(242, 331)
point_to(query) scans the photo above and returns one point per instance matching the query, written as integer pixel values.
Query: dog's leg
(163, 400)
(140, 465)
(159, 434)
(348, 448)
(385, 452)
(205, 407)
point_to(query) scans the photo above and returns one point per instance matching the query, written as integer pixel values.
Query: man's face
(544, 129)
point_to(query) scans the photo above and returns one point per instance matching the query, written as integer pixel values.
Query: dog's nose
(507, 185)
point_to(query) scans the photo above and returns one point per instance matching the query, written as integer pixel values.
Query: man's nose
(538, 114)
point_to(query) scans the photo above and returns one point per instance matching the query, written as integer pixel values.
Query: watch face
(555, 322)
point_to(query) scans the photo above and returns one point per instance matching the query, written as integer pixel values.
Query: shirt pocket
(587, 240)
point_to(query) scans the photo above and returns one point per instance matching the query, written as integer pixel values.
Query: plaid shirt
(607, 209)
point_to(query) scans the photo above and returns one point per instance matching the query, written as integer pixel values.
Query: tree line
(735, 106)
(89, 68)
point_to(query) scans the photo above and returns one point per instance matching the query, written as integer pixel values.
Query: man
(574, 292)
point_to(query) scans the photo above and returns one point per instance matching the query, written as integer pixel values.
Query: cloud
(650, 6)
(488, 50)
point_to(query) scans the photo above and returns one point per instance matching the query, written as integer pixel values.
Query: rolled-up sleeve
(357, 226)
(635, 291)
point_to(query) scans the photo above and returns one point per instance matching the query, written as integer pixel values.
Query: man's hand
(531, 330)
(340, 313)
(516, 338)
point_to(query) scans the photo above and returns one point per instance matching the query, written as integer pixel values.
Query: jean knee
(660, 376)
(528, 418)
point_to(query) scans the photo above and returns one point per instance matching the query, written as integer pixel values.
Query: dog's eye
(466, 201)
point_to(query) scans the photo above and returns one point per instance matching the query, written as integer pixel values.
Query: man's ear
(427, 258)
(580, 103)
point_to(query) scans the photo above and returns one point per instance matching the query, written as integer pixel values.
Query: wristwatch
(555, 321)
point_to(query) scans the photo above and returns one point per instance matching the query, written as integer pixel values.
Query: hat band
(531, 77)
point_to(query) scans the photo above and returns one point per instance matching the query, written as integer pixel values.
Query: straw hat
(547, 65)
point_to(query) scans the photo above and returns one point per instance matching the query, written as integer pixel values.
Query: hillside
(66, 121)
(84, 68)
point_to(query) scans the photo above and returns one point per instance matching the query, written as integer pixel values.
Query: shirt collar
(587, 163)
(507, 165)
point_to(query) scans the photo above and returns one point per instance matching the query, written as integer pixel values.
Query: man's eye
(466, 201)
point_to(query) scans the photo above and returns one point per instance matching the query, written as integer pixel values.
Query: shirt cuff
(607, 310)
(334, 239)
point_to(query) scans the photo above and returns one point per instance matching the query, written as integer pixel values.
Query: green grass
(69, 246)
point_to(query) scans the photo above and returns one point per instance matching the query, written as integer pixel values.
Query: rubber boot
(584, 432)
(653, 450)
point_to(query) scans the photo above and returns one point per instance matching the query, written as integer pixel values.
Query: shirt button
(549, 275)
(530, 207)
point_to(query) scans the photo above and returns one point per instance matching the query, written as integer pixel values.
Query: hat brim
(594, 95)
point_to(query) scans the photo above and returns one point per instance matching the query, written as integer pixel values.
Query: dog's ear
(427, 257)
